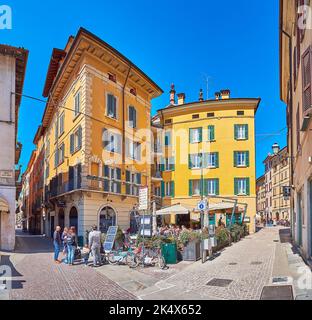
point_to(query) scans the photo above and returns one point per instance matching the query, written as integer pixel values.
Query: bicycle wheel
(161, 263)
(111, 259)
(131, 260)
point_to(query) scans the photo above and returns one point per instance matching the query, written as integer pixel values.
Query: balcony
(18, 151)
(156, 176)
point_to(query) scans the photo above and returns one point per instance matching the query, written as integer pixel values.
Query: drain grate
(275, 240)
(233, 264)
(277, 293)
(219, 282)
(256, 263)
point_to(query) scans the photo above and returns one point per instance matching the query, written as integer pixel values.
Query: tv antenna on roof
(207, 78)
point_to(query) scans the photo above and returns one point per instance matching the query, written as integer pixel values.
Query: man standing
(95, 245)
(57, 243)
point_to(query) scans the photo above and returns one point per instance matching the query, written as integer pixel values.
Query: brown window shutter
(306, 80)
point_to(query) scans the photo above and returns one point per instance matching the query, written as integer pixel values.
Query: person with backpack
(72, 242)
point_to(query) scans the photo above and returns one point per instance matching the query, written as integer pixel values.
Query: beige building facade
(296, 92)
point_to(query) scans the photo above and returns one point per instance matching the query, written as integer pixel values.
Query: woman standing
(64, 240)
(72, 242)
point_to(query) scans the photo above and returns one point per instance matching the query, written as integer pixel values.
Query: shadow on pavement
(28, 244)
(6, 261)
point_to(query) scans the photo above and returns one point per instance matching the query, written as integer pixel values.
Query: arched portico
(107, 217)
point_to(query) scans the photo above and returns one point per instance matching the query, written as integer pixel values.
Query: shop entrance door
(299, 220)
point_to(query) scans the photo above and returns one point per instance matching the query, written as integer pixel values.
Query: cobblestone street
(36, 276)
(246, 266)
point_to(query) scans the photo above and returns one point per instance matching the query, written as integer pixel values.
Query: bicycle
(151, 257)
(120, 256)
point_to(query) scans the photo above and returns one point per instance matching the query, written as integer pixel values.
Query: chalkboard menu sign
(110, 239)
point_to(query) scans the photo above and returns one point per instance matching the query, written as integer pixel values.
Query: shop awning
(4, 206)
(175, 209)
(220, 206)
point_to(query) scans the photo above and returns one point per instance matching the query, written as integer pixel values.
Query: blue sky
(235, 43)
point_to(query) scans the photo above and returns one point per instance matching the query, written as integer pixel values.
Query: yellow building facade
(96, 132)
(208, 151)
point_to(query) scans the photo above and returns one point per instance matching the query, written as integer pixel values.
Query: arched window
(61, 218)
(73, 218)
(107, 219)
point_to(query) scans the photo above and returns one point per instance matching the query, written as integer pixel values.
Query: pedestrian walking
(72, 242)
(64, 240)
(95, 245)
(57, 243)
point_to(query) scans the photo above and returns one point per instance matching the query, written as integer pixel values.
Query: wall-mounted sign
(143, 198)
(247, 219)
(7, 174)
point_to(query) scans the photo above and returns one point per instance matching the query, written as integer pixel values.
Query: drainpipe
(124, 118)
(291, 157)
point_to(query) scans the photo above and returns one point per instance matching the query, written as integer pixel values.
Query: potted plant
(191, 245)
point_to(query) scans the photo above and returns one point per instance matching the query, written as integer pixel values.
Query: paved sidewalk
(36, 276)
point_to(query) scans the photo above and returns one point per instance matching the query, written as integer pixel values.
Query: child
(85, 253)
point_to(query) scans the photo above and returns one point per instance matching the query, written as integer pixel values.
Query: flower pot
(191, 251)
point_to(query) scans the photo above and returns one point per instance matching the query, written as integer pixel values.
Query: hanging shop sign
(143, 198)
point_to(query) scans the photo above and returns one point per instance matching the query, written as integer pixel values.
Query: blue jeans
(70, 254)
(56, 250)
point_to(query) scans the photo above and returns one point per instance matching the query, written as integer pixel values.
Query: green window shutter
(246, 131)
(235, 158)
(205, 187)
(190, 136)
(248, 186)
(79, 137)
(235, 186)
(190, 162)
(172, 164)
(217, 187)
(217, 159)
(172, 189)
(162, 189)
(211, 133)
(200, 134)
(162, 165)
(190, 187)
(72, 141)
(235, 131)
(247, 158)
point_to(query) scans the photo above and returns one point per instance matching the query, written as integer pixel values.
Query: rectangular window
(47, 152)
(133, 150)
(111, 106)
(168, 121)
(132, 117)
(77, 105)
(195, 135)
(211, 133)
(195, 116)
(168, 138)
(169, 164)
(59, 155)
(211, 160)
(195, 161)
(169, 189)
(210, 114)
(62, 123)
(76, 140)
(111, 141)
(241, 158)
(241, 131)
(212, 187)
(195, 187)
(241, 186)
(112, 182)
(307, 80)
(240, 113)
(157, 192)
(56, 129)
(133, 183)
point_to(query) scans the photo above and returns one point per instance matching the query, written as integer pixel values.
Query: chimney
(181, 98)
(201, 95)
(217, 95)
(172, 95)
(225, 94)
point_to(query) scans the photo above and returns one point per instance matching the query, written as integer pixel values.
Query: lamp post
(276, 150)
